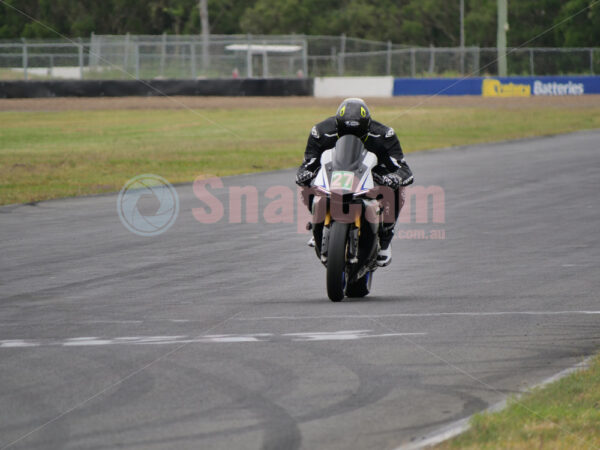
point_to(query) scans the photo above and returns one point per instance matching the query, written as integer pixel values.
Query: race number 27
(342, 180)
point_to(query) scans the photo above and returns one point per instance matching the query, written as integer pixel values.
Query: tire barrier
(319, 87)
(118, 88)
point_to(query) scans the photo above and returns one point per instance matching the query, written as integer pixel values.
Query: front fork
(353, 242)
(325, 238)
(352, 248)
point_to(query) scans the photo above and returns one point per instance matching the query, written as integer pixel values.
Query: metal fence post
(333, 60)
(431, 59)
(92, 60)
(126, 52)
(265, 59)
(25, 59)
(249, 56)
(80, 51)
(531, 68)
(462, 37)
(341, 55)
(205, 54)
(137, 59)
(291, 63)
(476, 56)
(389, 58)
(305, 57)
(205, 30)
(163, 54)
(501, 37)
(193, 58)
(413, 62)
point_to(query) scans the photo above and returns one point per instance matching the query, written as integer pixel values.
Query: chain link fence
(224, 56)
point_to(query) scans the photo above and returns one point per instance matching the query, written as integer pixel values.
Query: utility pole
(462, 37)
(203, 6)
(502, 29)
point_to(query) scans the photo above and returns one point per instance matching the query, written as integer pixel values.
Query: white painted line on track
(92, 341)
(113, 321)
(16, 343)
(344, 335)
(93, 322)
(440, 314)
(334, 316)
(460, 426)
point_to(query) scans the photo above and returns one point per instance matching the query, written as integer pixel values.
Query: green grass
(563, 415)
(46, 155)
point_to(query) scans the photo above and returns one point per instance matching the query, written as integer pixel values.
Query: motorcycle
(347, 214)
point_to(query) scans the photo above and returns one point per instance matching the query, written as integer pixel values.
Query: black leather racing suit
(381, 140)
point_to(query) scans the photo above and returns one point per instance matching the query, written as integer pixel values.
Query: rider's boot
(311, 241)
(384, 258)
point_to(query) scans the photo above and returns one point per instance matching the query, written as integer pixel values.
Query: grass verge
(46, 155)
(562, 415)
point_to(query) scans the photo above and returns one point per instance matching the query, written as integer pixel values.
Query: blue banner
(499, 86)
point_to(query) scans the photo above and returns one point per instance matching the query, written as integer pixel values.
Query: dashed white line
(91, 341)
(344, 335)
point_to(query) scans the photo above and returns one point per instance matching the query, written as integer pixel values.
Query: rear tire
(336, 261)
(361, 287)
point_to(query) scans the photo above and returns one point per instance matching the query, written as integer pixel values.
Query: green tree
(367, 19)
(282, 16)
(481, 17)
(225, 15)
(432, 22)
(530, 22)
(414, 22)
(578, 30)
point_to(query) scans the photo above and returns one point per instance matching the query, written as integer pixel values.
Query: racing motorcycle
(347, 213)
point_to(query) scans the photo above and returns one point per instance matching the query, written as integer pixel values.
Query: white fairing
(321, 178)
(366, 181)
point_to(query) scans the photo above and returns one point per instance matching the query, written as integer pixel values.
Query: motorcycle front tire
(336, 261)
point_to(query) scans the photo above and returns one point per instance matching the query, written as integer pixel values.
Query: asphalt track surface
(221, 336)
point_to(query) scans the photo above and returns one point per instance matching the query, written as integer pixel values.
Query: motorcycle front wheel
(336, 261)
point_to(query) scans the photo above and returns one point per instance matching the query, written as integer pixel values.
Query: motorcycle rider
(353, 117)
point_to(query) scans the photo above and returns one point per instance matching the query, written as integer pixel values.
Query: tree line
(556, 23)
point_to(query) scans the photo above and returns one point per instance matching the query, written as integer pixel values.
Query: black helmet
(353, 117)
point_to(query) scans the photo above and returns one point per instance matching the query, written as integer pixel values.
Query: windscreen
(347, 153)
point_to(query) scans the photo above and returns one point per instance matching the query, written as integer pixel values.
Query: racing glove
(401, 177)
(304, 176)
(405, 175)
(391, 180)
